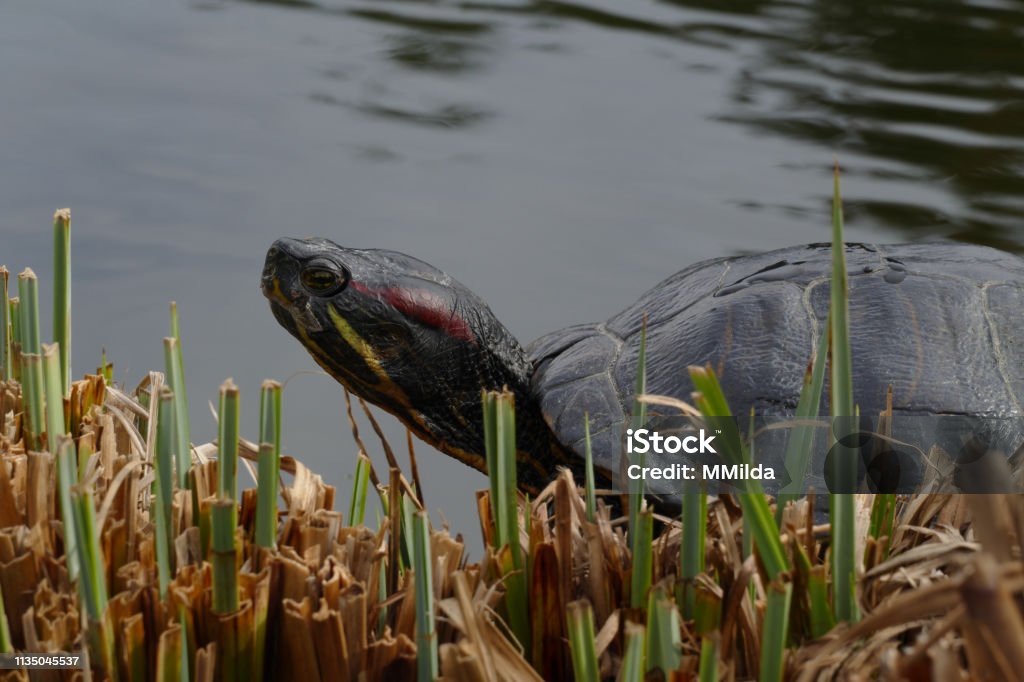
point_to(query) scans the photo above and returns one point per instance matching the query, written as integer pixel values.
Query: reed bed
(123, 540)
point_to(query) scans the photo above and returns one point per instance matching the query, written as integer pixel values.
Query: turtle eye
(323, 281)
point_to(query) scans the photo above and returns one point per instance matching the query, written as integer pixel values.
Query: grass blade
(5, 327)
(664, 641)
(62, 292)
(582, 644)
(691, 548)
(500, 441)
(639, 416)
(426, 636)
(633, 667)
(31, 360)
(227, 442)
(589, 486)
(268, 466)
(776, 628)
(63, 450)
(360, 482)
(33, 387)
(176, 381)
(707, 617)
(841, 506)
(801, 438)
(28, 295)
(711, 402)
(92, 586)
(6, 646)
(643, 564)
(223, 518)
(14, 314)
(163, 486)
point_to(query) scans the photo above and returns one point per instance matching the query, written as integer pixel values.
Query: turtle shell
(941, 323)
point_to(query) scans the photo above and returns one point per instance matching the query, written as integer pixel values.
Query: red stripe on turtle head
(424, 306)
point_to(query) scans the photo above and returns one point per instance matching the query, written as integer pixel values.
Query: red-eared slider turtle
(940, 323)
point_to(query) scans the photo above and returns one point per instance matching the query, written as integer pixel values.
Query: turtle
(935, 328)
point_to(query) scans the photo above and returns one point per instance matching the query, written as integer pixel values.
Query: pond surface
(557, 157)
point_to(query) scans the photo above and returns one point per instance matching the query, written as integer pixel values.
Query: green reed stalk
(169, 657)
(14, 314)
(633, 667)
(712, 403)
(582, 641)
(500, 446)
(33, 387)
(708, 665)
(223, 518)
(227, 442)
(691, 548)
(775, 629)
(176, 380)
(801, 438)
(31, 360)
(409, 508)
(106, 368)
(883, 518)
(62, 292)
(269, 464)
(92, 586)
(54, 394)
(842, 508)
(63, 449)
(643, 563)
(639, 416)
(664, 642)
(28, 295)
(707, 616)
(589, 486)
(822, 620)
(5, 328)
(163, 486)
(6, 646)
(426, 635)
(360, 482)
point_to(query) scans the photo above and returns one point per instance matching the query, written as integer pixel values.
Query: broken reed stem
(227, 442)
(32, 387)
(500, 447)
(14, 313)
(360, 482)
(589, 486)
(63, 449)
(223, 519)
(426, 635)
(176, 382)
(5, 327)
(268, 465)
(163, 486)
(582, 644)
(62, 293)
(28, 295)
(643, 565)
(6, 646)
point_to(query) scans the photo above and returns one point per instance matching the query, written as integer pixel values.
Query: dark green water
(557, 157)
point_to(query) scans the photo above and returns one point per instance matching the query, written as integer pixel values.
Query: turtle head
(403, 335)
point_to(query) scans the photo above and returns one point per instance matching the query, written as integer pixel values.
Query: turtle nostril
(273, 252)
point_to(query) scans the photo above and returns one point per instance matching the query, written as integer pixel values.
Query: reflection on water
(924, 95)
